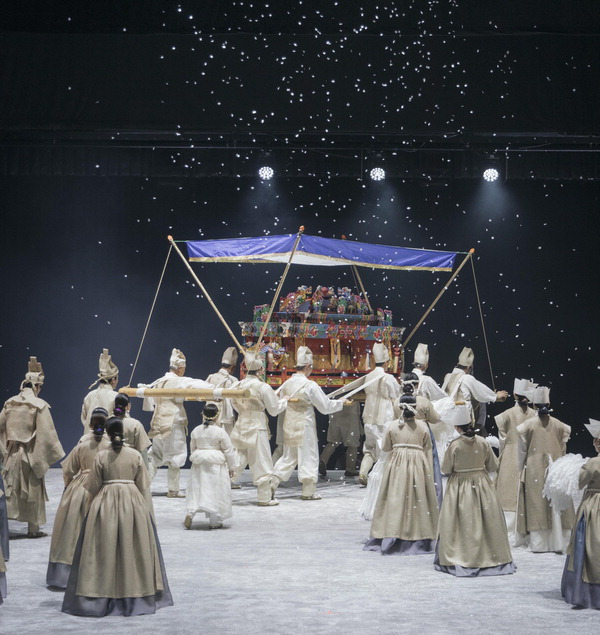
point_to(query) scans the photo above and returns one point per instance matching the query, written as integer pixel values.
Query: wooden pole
(194, 393)
(278, 291)
(362, 288)
(439, 295)
(206, 295)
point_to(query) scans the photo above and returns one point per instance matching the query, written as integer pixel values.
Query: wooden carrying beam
(190, 393)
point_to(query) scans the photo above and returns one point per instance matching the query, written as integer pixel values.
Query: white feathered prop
(562, 482)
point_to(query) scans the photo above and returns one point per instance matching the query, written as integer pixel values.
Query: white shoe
(312, 497)
(272, 503)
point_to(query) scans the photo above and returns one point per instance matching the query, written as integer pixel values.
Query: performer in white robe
(27, 431)
(168, 428)
(250, 435)
(542, 439)
(301, 445)
(462, 386)
(213, 460)
(224, 378)
(104, 395)
(134, 431)
(427, 386)
(581, 577)
(507, 483)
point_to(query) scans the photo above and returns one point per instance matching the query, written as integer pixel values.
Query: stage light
(266, 173)
(377, 174)
(491, 174)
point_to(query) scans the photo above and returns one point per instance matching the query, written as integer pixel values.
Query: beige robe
(507, 483)
(74, 501)
(472, 530)
(406, 506)
(589, 509)
(119, 555)
(135, 435)
(541, 439)
(101, 397)
(27, 430)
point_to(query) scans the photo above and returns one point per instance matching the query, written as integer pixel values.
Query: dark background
(121, 123)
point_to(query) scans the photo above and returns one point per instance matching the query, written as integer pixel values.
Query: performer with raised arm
(507, 483)
(224, 378)
(581, 576)
(27, 431)
(168, 428)
(104, 395)
(250, 435)
(542, 439)
(301, 445)
(462, 386)
(74, 502)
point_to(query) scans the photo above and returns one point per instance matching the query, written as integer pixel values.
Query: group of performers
(415, 432)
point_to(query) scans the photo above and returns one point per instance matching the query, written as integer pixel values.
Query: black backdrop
(83, 248)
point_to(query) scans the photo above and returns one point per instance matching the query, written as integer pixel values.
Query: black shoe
(322, 468)
(350, 473)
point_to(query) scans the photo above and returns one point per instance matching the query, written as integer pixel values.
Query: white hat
(253, 361)
(541, 395)
(421, 354)
(304, 356)
(35, 373)
(230, 356)
(380, 353)
(177, 359)
(106, 367)
(521, 387)
(466, 357)
(460, 416)
(593, 428)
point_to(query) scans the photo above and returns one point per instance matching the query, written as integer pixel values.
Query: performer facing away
(74, 502)
(378, 410)
(427, 386)
(472, 537)
(3, 534)
(406, 513)
(104, 395)
(250, 435)
(3, 512)
(462, 386)
(168, 428)
(213, 460)
(542, 439)
(134, 431)
(28, 433)
(117, 567)
(300, 443)
(581, 576)
(344, 428)
(224, 378)
(507, 483)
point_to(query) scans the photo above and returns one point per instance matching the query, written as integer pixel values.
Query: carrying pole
(362, 288)
(206, 295)
(439, 295)
(278, 291)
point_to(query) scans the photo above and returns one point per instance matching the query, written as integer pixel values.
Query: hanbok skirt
(3, 522)
(583, 555)
(65, 533)
(209, 486)
(117, 567)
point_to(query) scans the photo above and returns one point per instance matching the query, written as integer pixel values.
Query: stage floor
(296, 568)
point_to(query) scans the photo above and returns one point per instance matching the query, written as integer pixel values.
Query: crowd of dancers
(105, 550)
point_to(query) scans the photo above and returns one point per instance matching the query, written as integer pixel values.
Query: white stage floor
(296, 568)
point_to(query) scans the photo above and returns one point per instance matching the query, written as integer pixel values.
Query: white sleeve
(321, 401)
(480, 392)
(272, 403)
(190, 382)
(431, 390)
(393, 386)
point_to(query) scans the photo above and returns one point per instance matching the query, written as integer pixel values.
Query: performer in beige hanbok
(344, 429)
(27, 431)
(3, 512)
(117, 567)
(104, 395)
(472, 536)
(213, 460)
(542, 439)
(300, 442)
(168, 428)
(462, 386)
(250, 435)
(3, 538)
(507, 483)
(581, 576)
(134, 431)
(406, 513)
(224, 378)
(74, 502)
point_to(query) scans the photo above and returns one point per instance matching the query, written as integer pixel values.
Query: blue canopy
(314, 250)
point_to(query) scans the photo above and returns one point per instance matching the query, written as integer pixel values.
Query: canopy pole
(278, 291)
(206, 295)
(487, 349)
(362, 288)
(439, 295)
